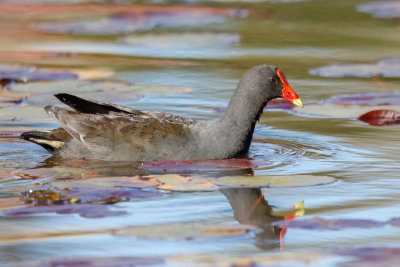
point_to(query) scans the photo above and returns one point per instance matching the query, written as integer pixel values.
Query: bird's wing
(92, 107)
(120, 135)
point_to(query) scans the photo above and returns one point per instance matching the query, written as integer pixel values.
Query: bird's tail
(51, 140)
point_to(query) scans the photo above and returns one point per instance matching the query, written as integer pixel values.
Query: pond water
(186, 58)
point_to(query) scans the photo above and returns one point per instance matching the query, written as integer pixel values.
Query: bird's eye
(273, 80)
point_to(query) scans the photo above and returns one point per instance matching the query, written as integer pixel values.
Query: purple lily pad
(365, 99)
(389, 67)
(84, 210)
(134, 21)
(199, 165)
(98, 262)
(111, 195)
(30, 74)
(383, 9)
(322, 224)
(370, 256)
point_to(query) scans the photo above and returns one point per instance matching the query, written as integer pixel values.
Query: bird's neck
(237, 124)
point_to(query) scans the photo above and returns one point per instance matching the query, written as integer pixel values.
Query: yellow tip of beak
(297, 102)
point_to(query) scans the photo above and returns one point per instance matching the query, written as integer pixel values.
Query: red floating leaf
(84, 210)
(200, 165)
(381, 117)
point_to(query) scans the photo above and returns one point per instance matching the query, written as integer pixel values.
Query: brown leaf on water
(381, 117)
(199, 165)
(186, 230)
(56, 173)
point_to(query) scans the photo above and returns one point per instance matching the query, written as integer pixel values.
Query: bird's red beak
(288, 92)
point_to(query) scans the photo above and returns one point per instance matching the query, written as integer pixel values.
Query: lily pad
(41, 93)
(10, 74)
(273, 180)
(84, 210)
(134, 21)
(381, 117)
(186, 230)
(302, 258)
(352, 105)
(322, 224)
(382, 9)
(178, 45)
(175, 182)
(97, 262)
(370, 256)
(55, 173)
(15, 116)
(109, 182)
(199, 165)
(389, 67)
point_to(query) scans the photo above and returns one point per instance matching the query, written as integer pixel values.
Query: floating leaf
(175, 182)
(56, 173)
(389, 67)
(15, 116)
(382, 9)
(84, 210)
(30, 74)
(186, 230)
(107, 190)
(178, 45)
(322, 224)
(265, 259)
(109, 196)
(42, 93)
(370, 256)
(97, 262)
(381, 117)
(352, 105)
(273, 180)
(199, 165)
(136, 21)
(109, 182)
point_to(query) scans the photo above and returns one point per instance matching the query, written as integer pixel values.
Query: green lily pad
(273, 180)
(186, 230)
(174, 182)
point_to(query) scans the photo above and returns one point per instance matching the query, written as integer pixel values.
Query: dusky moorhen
(111, 132)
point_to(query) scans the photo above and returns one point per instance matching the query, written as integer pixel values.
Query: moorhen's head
(266, 82)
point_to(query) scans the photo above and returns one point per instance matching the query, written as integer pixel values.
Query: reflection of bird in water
(250, 207)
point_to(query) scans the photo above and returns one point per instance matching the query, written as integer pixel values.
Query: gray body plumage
(111, 132)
